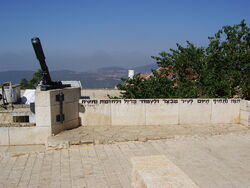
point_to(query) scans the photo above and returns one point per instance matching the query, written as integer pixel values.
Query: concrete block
(70, 111)
(163, 112)
(95, 114)
(58, 127)
(74, 123)
(157, 171)
(47, 111)
(71, 94)
(128, 113)
(194, 111)
(28, 135)
(55, 110)
(43, 116)
(71, 115)
(4, 136)
(226, 112)
(46, 98)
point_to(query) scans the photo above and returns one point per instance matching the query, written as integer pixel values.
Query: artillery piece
(46, 82)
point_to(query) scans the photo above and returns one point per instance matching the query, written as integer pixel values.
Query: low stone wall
(7, 113)
(119, 112)
(24, 135)
(245, 112)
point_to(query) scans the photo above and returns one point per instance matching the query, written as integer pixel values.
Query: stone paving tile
(217, 161)
(26, 148)
(3, 148)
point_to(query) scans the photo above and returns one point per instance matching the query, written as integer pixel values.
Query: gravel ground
(104, 135)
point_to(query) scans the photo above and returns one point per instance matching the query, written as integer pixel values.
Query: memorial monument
(56, 104)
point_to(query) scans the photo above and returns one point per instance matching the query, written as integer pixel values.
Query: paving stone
(210, 161)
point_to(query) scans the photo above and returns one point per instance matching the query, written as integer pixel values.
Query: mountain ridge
(106, 77)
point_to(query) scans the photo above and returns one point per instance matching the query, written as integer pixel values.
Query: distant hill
(107, 77)
(145, 69)
(110, 72)
(15, 76)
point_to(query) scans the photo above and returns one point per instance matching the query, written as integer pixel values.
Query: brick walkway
(215, 161)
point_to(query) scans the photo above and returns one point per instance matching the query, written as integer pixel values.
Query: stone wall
(245, 112)
(7, 114)
(23, 135)
(120, 112)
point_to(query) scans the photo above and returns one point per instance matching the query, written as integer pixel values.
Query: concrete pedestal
(48, 109)
(158, 172)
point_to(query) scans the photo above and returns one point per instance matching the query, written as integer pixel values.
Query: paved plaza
(212, 161)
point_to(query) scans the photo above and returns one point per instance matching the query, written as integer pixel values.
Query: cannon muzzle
(38, 48)
(46, 79)
(46, 82)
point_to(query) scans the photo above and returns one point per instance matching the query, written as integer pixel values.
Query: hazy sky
(87, 34)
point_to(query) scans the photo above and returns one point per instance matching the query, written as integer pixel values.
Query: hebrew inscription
(132, 101)
(188, 101)
(158, 101)
(150, 101)
(89, 101)
(170, 101)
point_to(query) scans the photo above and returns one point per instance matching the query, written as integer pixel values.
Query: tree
(187, 64)
(228, 56)
(147, 88)
(31, 84)
(220, 70)
(179, 76)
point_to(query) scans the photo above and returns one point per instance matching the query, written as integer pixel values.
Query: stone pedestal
(156, 172)
(48, 109)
